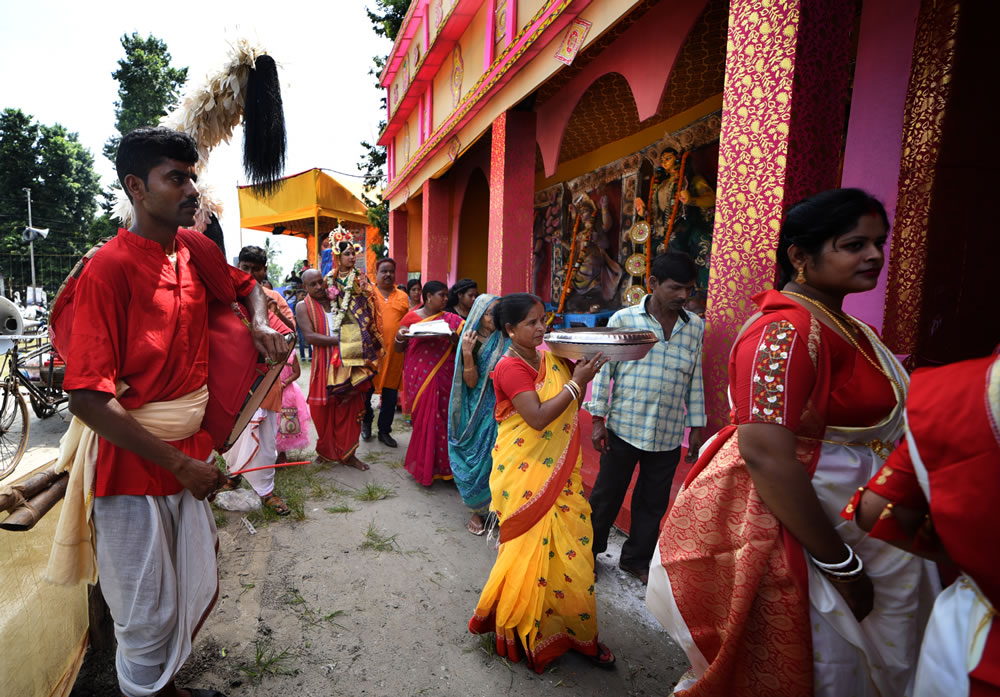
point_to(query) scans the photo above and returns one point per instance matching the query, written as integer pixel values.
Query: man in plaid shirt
(652, 401)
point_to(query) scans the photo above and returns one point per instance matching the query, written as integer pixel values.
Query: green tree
(275, 272)
(148, 86)
(387, 19)
(59, 170)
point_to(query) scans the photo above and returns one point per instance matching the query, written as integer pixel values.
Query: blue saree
(472, 430)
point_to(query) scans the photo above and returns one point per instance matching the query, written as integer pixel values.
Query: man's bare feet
(354, 462)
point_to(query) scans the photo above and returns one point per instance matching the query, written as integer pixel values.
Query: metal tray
(615, 343)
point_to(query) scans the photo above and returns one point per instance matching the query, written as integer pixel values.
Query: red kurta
(138, 320)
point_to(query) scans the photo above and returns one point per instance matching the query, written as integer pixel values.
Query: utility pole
(31, 247)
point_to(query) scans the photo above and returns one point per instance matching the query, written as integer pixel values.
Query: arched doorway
(474, 229)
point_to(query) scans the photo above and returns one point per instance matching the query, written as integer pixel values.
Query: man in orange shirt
(257, 445)
(393, 304)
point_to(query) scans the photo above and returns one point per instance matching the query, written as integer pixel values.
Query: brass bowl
(616, 343)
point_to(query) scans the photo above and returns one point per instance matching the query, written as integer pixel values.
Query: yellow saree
(539, 597)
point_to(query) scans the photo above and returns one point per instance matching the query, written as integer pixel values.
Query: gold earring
(801, 278)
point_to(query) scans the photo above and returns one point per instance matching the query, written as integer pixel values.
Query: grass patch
(266, 661)
(378, 541)
(294, 597)
(373, 491)
(221, 519)
(295, 485)
(342, 508)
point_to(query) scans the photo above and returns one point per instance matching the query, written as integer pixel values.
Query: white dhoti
(159, 576)
(256, 447)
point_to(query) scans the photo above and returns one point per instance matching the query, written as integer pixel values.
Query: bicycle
(45, 394)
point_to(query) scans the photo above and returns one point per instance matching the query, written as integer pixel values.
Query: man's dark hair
(144, 148)
(673, 266)
(384, 260)
(253, 255)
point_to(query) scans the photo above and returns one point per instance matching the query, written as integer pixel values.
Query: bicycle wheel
(14, 427)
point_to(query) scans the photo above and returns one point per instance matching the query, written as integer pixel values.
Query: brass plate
(633, 295)
(635, 265)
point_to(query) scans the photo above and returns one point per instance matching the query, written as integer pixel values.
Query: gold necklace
(850, 336)
(526, 361)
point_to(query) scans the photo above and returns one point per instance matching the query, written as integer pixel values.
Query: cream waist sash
(73, 557)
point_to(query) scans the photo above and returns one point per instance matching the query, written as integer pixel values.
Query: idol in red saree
(428, 370)
(733, 586)
(539, 598)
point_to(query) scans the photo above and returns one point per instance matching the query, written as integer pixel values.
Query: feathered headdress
(245, 89)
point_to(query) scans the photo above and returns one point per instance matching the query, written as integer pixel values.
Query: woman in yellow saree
(539, 598)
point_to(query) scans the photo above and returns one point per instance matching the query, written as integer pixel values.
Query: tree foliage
(59, 170)
(387, 19)
(148, 86)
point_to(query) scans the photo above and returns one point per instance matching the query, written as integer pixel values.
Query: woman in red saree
(757, 576)
(929, 499)
(428, 369)
(539, 598)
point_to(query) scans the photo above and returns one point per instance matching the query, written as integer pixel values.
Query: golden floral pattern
(923, 131)
(768, 155)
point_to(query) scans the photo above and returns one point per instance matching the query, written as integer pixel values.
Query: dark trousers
(385, 412)
(649, 499)
(303, 347)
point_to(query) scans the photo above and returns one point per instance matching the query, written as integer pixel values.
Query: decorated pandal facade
(557, 146)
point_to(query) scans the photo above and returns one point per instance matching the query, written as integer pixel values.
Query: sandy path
(353, 621)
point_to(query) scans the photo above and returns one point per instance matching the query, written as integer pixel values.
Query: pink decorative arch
(650, 43)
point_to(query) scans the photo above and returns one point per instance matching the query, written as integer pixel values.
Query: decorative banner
(573, 40)
(457, 75)
(454, 148)
(500, 27)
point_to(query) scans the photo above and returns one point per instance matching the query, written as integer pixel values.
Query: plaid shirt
(649, 397)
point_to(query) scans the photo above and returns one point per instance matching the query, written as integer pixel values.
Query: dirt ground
(349, 596)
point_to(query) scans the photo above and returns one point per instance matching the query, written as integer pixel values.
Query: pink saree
(428, 370)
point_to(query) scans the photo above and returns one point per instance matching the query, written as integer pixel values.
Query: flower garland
(677, 200)
(572, 266)
(338, 319)
(649, 222)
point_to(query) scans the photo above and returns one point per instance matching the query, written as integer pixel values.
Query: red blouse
(511, 377)
(772, 378)
(139, 320)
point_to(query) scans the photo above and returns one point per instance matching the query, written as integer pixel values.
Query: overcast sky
(58, 56)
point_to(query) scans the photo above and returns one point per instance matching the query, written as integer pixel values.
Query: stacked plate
(615, 343)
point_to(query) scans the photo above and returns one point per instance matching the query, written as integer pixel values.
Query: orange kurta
(390, 313)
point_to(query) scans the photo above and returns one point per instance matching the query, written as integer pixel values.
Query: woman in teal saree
(472, 430)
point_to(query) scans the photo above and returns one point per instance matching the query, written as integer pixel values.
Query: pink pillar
(434, 248)
(786, 82)
(875, 130)
(512, 192)
(397, 242)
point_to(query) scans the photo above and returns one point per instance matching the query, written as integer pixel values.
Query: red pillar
(435, 250)
(512, 191)
(397, 242)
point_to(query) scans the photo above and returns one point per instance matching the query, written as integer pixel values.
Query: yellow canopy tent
(307, 205)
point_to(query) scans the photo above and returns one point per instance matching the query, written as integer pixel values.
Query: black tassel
(264, 140)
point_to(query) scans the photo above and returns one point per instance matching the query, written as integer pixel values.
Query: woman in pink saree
(428, 369)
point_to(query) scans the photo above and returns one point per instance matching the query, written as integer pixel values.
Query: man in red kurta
(136, 373)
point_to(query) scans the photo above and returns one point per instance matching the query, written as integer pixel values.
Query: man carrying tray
(136, 373)
(342, 328)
